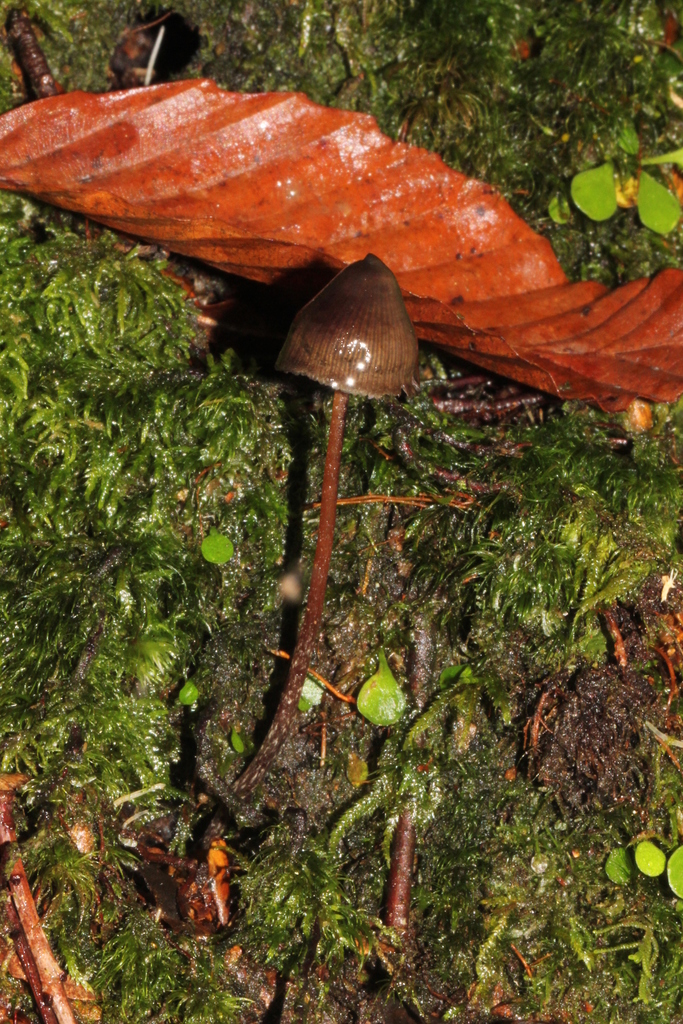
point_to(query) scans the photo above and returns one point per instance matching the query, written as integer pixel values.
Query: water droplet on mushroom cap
(355, 335)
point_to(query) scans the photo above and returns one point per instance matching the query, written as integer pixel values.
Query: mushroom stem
(286, 712)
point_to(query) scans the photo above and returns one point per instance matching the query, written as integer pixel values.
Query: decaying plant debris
(519, 583)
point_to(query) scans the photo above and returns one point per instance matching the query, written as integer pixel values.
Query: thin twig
(673, 688)
(42, 971)
(660, 737)
(420, 501)
(29, 966)
(671, 740)
(540, 960)
(337, 693)
(618, 640)
(538, 719)
(151, 24)
(51, 975)
(522, 961)
(321, 679)
(378, 448)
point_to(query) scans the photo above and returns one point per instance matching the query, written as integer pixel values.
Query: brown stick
(321, 679)
(7, 830)
(617, 639)
(285, 716)
(673, 688)
(28, 963)
(419, 501)
(525, 965)
(400, 873)
(50, 973)
(30, 57)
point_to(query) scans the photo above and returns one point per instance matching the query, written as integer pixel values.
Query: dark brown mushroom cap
(355, 335)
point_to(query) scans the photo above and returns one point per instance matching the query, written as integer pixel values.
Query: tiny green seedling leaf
(618, 866)
(658, 208)
(461, 673)
(558, 208)
(381, 700)
(594, 192)
(217, 548)
(674, 871)
(628, 140)
(236, 740)
(311, 694)
(675, 156)
(650, 859)
(189, 693)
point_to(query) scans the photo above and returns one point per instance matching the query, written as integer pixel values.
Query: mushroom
(356, 337)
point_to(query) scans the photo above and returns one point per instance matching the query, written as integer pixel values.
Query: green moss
(123, 444)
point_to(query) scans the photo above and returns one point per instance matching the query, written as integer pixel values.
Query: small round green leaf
(237, 741)
(650, 859)
(216, 548)
(558, 208)
(594, 192)
(628, 140)
(618, 866)
(674, 871)
(381, 700)
(658, 208)
(188, 694)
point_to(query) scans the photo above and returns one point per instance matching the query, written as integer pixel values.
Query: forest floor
(521, 582)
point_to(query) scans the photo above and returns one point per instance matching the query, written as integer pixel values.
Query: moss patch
(124, 442)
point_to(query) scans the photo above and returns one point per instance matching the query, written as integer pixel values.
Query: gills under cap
(355, 335)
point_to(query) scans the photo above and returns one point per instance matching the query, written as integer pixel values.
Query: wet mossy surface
(527, 752)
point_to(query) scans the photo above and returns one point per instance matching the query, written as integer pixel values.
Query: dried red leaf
(277, 188)
(261, 184)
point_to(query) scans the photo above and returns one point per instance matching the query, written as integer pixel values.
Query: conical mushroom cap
(355, 335)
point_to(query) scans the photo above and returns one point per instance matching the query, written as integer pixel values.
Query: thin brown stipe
(310, 627)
